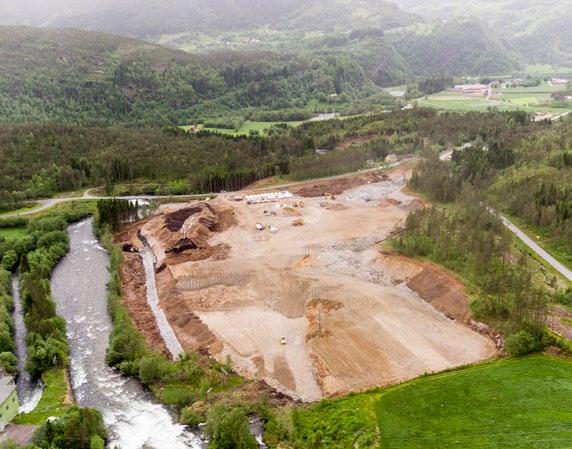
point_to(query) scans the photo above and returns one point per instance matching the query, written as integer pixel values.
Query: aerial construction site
(295, 287)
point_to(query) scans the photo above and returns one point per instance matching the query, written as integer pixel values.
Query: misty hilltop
(540, 31)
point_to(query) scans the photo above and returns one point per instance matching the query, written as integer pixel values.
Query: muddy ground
(309, 304)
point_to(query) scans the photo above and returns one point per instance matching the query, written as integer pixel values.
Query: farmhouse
(8, 401)
(542, 117)
(480, 89)
(558, 81)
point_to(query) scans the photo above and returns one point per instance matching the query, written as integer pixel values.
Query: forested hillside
(128, 18)
(540, 29)
(73, 76)
(457, 48)
(538, 188)
(41, 160)
(500, 34)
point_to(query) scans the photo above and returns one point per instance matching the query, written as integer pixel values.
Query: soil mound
(175, 220)
(338, 186)
(183, 235)
(133, 297)
(443, 292)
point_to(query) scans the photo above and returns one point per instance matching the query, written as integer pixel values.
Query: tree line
(466, 238)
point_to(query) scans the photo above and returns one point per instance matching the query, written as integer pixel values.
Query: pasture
(246, 128)
(521, 403)
(529, 99)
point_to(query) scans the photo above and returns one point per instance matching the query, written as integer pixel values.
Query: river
(133, 417)
(29, 391)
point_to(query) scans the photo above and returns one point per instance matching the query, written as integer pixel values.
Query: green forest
(77, 77)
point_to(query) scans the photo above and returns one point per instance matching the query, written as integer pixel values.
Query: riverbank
(53, 401)
(42, 344)
(80, 288)
(192, 384)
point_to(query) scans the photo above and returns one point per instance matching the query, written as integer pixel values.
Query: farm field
(518, 403)
(246, 128)
(530, 99)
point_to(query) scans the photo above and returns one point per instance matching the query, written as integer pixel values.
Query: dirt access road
(297, 292)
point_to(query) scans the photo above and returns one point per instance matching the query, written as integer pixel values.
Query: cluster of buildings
(472, 89)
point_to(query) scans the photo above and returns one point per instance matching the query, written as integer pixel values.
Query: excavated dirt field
(309, 304)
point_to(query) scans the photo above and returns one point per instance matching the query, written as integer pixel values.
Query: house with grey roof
(8, 401)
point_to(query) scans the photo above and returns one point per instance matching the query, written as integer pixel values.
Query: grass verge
(26, 208)
(561, 253)
(53, 401)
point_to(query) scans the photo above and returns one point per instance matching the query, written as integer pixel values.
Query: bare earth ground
(313, 309)
(560, 321)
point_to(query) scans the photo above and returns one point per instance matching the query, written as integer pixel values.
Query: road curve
(534, 246)
(48, 203)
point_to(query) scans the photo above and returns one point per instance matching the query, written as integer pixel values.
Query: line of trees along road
(465, 237)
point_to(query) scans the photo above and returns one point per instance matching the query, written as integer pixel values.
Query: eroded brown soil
(313, 309)
(134, 299)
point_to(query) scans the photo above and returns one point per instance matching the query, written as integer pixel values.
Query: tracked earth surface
(298, 292)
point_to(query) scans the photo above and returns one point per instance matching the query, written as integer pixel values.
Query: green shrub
(522, 343)
(47, 224)
(8, 361)
(177, 395)
(78, 428)
(153, 369)
(96, 442)
(51, 238)
(190, 418)
(9, 260)
(229, 429)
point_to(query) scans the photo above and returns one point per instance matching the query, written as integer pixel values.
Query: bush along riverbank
(199, 388)
(36, 254)
(7, 344)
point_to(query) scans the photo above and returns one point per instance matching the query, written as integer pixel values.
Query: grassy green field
(13, 233)
(530, 99)
(513, 403)
(26, 208)
(52, 402)
(246, 128)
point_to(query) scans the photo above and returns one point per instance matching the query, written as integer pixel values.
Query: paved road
(534, 246)
(46, 204)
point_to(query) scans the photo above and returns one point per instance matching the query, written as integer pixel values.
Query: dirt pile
(338, 186)
(184, 234)
(443, 291)
(134, 299)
